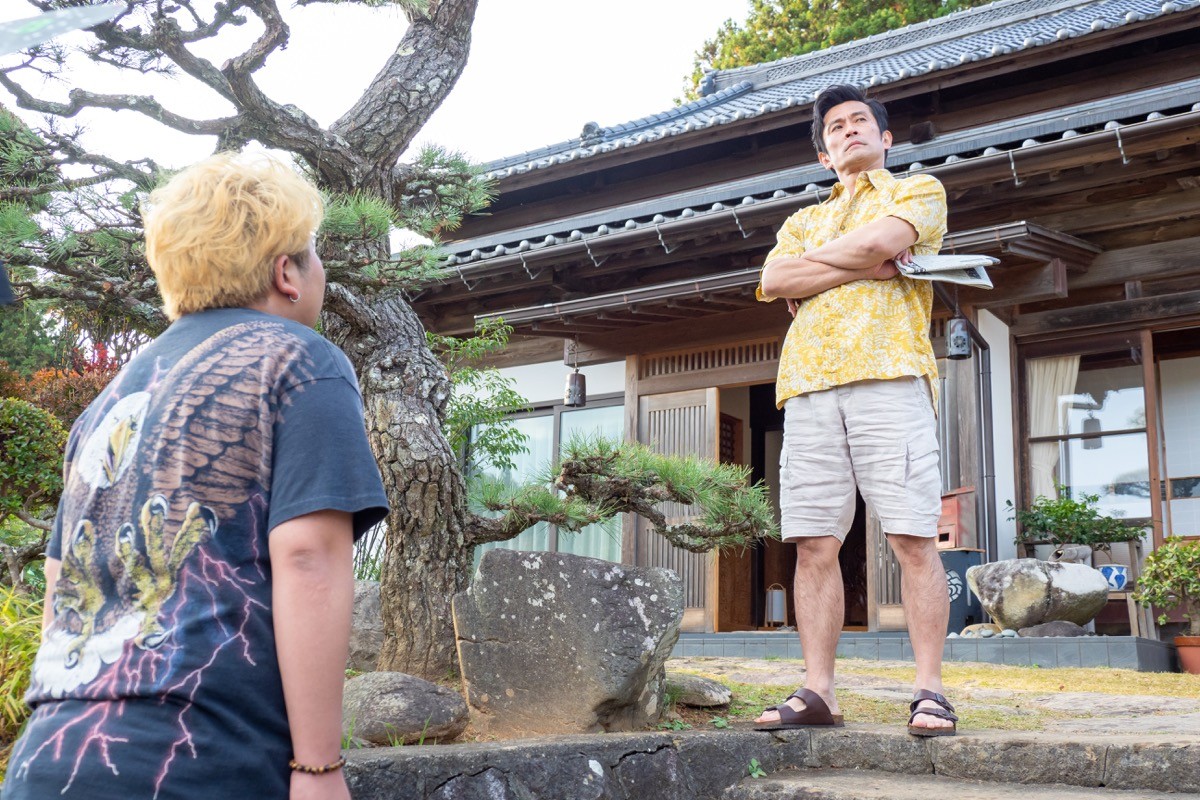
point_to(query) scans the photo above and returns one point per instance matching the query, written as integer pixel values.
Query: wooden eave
(1022, 242)
(523, 279)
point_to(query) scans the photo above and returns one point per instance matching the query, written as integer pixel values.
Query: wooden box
(956, 527)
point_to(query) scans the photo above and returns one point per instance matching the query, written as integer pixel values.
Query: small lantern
(958, 339)
(575, 395)
(1092, 425)
(776, 610)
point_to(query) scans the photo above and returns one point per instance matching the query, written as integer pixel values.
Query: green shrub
(31, 457)
(20, 635)
(1065, 520)
(1170, 578)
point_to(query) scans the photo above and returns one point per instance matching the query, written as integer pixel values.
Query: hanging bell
(958, 339)
(575, 395)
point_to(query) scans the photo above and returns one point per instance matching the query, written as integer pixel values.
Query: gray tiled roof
(1180, 99)
(975, 34)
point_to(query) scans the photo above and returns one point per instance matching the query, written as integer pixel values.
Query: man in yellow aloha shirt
(856, 381)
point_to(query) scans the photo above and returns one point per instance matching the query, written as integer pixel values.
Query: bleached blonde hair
(215, 229)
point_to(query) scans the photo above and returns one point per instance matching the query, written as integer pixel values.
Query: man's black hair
(835, 95)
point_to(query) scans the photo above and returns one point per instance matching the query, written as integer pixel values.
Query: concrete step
(850, 784)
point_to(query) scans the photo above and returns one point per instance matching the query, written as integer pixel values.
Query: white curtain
(1049, 379)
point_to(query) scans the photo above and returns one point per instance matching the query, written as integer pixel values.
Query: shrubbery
(20, 635)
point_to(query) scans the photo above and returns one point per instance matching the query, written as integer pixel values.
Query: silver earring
(295, 299)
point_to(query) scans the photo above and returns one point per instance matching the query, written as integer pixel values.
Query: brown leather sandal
(815, 714)
(945, 712)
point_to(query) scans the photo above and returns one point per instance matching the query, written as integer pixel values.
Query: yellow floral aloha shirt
(868, 329)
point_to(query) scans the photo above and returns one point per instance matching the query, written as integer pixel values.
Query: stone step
(849, 784)
(703, 765)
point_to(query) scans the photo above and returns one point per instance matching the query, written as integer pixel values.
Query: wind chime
(575, 393)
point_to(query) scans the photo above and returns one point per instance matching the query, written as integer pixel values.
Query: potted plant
(1170, 579)
(1066, 521)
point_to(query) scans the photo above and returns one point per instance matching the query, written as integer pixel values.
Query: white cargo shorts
(879, 436)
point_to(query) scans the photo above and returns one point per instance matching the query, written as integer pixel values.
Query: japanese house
(1066, 134)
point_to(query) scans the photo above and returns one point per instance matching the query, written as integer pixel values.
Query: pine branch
(598, 479)
(147, 106)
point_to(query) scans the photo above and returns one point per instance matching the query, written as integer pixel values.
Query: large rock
(391, 708)
(366, 632)
(556, 643)
(1023, 592)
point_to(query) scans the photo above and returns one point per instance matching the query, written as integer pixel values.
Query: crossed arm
(864, 253)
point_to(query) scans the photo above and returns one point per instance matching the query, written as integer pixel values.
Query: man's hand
(885, 270)
(793, 307)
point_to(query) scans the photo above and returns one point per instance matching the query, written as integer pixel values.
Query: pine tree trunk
(427, 558)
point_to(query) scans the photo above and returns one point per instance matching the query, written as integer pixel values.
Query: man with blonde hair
(857, 382)
(198, 579)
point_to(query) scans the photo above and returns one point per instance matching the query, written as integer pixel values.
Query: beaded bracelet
(307, 770)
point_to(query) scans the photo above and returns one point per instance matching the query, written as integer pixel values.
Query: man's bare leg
(820, 610)
(927, 612)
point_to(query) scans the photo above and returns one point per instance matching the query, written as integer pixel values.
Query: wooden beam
(1148, 262)
(525, 350)
(1142, 309)
(1139, 211)
(770, 319)
(1020, 285)
(564, 327)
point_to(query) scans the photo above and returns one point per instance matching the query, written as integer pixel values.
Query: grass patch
(1035, 679)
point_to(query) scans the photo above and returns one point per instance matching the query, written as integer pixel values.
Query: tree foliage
(65, 393)
(597, 478)
(777, 29)
(1066, 520)
(28, 339)
(31, 458)
(477, 422)
(70, 222)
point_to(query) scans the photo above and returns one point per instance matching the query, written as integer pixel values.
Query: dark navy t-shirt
(158, 676)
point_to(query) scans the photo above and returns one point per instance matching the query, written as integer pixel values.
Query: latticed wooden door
(681, 423)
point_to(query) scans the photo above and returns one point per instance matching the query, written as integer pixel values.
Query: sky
(538, 71)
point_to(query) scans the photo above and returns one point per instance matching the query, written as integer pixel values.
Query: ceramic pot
(1188, 648)
(1117, 575)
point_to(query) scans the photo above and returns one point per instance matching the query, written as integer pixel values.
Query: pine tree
(91, 255)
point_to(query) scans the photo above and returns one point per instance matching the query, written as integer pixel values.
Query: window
(1087, 430)
(1178, 355)
(548, 430)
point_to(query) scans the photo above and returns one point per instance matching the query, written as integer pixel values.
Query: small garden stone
(392, 708)
(1056, 628)
(697, 692)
